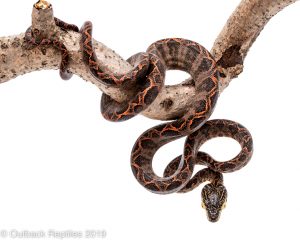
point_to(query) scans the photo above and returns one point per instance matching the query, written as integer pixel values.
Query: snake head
(214, 198)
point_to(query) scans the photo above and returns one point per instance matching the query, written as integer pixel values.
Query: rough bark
(229, 50)
(240, 32)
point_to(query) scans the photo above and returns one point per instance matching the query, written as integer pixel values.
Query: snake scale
(148, 75)
(144, 64)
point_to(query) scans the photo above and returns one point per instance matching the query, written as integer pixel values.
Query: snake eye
(203, 205)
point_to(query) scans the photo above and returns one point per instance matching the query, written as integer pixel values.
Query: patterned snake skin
(144, 64)
(193, 58)
(214, 195)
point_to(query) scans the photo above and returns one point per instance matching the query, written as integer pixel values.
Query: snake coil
(148, 73)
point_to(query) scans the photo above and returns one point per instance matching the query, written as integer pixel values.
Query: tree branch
(230, 50)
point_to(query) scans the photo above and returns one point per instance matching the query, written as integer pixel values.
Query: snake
(34, 39)
(148, 73)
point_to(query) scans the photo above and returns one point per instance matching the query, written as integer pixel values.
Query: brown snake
(148, 74)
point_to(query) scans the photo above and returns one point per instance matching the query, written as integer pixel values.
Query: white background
(62, 166)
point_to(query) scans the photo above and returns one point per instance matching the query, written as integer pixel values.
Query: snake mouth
(213, 215)
(213, 218)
